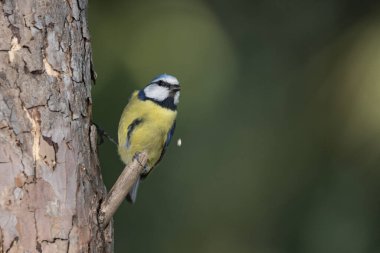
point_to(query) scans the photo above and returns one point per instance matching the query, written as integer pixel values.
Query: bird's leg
(136, 157)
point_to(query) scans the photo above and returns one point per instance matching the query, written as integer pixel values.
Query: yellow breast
(149, 135)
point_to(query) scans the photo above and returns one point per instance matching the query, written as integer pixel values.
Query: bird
(147, 124)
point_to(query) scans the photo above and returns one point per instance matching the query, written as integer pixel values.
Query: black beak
(175, 88)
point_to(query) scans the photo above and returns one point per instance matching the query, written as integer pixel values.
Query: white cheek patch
(156, 92)
(176, 98)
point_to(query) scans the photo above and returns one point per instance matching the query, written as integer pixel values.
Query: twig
(101, 133)
(121, 188)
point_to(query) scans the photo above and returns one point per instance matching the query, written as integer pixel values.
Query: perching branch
(121, 188)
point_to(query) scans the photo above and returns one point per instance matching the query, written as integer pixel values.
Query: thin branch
(102, 133)
(121, 188)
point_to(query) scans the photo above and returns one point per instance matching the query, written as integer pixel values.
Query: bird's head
(163, 90)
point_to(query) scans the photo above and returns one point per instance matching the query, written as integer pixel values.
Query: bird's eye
(160, 83)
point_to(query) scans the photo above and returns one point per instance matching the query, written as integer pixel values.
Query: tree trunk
(50, 182)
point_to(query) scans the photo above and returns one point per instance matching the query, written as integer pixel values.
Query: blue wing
(167, 142)
(169, 137)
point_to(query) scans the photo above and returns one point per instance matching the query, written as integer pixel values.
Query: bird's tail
(132, 194)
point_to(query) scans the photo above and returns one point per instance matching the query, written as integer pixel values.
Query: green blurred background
(279, 120)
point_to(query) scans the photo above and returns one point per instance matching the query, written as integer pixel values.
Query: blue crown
(166, 78)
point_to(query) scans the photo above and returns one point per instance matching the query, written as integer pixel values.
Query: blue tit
(148, 123)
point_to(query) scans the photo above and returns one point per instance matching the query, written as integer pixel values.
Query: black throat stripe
(167, 103)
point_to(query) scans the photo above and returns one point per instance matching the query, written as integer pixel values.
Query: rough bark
(50, 182)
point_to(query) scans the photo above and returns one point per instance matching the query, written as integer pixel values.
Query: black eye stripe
(163, 84)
